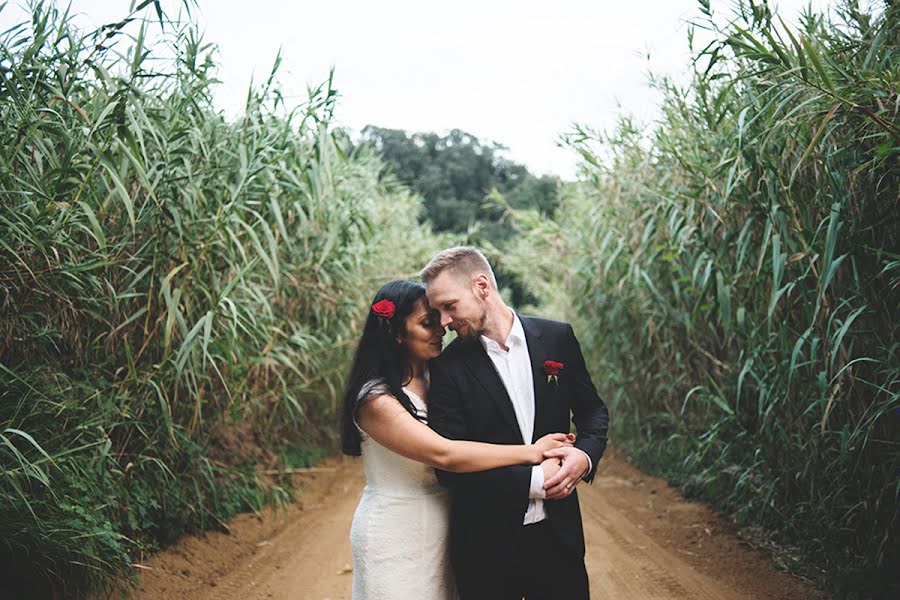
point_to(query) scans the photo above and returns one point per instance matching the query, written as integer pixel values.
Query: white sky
(519, 73)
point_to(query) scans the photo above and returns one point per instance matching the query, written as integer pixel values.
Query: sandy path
(644, 542)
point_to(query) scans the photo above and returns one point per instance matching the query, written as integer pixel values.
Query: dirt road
(644, 541)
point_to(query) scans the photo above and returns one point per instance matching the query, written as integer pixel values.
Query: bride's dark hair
(379, 357)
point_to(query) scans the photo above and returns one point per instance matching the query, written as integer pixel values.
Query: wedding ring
(568, 486)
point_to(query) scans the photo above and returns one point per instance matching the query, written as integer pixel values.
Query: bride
(399, 531)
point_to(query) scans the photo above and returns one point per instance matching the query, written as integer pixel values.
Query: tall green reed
(180, 291)
(734, 272)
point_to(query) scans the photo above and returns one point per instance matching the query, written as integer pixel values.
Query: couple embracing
(471, 473)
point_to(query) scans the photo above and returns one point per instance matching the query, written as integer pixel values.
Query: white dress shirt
(514, 367)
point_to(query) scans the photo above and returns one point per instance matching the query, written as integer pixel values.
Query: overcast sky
(519, 73)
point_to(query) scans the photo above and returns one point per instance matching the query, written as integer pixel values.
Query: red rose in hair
(384, 309)
(552, 369)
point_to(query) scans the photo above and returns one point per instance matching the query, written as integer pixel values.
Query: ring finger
(561, 490)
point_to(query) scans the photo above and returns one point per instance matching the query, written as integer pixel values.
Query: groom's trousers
(541, 568)
(551, 570)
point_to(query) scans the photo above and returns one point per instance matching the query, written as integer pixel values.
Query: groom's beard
(472, 331)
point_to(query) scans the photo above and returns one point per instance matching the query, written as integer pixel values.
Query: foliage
(734, 274)
(453, 174)
(180, 292)
(465, 185)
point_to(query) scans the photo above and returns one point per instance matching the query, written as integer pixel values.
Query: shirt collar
(516, 334)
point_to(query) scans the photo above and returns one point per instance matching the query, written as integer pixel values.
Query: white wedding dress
(399, 531)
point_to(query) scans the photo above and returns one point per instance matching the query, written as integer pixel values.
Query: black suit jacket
(467, 400)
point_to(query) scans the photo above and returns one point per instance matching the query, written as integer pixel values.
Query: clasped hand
(551, 441)
(563, 464)
(563, 469)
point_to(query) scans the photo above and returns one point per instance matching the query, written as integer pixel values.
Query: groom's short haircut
(459, 260)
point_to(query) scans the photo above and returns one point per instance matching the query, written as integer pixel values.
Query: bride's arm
(391, 425)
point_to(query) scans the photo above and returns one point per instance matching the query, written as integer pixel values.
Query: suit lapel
(479, 363)
(536, 353)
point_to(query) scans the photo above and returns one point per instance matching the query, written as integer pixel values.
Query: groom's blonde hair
(460, 260)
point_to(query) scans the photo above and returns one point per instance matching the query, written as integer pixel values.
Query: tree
(454, 173)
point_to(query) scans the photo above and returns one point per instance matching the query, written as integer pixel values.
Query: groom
(514, 531)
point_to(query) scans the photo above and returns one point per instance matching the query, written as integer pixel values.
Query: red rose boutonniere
(384, 310)
(552, 369)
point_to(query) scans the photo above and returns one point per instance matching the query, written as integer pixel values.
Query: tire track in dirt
(644, 542)
(623, 561)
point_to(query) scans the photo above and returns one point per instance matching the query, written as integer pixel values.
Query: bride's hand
(551, 441)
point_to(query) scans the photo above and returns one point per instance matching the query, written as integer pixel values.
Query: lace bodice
(388, 472)
(400, 529)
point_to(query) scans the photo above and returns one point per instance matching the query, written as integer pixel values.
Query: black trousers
(540, 568)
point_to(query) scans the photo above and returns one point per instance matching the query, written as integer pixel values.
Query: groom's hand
(551, 467)
(574, 466)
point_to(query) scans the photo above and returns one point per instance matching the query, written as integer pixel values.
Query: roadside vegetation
(179, 291)
(733, 270)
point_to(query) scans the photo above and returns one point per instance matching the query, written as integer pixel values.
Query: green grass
(180, 291)
(302, 456)
(733, 273)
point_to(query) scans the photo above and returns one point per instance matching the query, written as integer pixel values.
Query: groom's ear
(482, 286)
